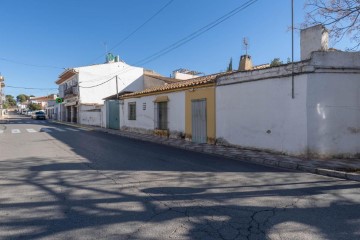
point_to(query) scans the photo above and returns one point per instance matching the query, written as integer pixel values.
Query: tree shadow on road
(79, 201)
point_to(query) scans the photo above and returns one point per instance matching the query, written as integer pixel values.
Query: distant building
(185, 74)
(2, 95)
(42, 101)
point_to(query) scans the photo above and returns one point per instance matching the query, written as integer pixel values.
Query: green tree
(22, 98)
(276, 62)
(9, 99)
(5, 105)
(230, 67)
(34, 106)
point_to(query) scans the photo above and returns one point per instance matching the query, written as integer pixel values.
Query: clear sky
(56, 34)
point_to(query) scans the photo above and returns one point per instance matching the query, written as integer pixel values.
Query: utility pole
(117, 92)
(292, 51)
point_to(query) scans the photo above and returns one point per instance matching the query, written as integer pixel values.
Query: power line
(99, 83)
(196, 33)
(137, 29)
(31, 88)
(187, 39)
(29, 64)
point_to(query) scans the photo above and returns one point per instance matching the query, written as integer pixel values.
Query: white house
(83, 89)
(256, 109)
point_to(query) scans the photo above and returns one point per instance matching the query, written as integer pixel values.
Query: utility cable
(196, 33)
(138, 28)
(29, 64)
(187, 39)
(31, 88)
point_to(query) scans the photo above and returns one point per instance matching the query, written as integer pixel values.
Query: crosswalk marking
(59, 129)
(42, 129)
(72, 129)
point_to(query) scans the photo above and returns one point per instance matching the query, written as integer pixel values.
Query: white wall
(262, 114)
(145, 118)
(333, 111)
(90, 115)
(184, 76)
(129, 78)
(104, 114)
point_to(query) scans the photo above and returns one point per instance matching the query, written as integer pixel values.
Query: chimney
(313, 39)
(245, 63)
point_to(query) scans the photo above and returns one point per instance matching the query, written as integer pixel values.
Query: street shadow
(80, 199)
(110, 187)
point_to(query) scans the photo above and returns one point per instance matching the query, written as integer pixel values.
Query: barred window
(132, 110)
(162, 118)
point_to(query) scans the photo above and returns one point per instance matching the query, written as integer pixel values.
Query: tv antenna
(246, 45)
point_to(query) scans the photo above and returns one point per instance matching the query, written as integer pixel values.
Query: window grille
(132, 110)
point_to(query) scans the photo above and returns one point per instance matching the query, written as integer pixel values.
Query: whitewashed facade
(145, 113)
(84, 88)
(255, 109)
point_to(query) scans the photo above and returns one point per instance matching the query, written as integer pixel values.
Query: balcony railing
(71, 91)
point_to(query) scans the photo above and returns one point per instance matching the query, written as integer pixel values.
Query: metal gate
(112, 114)
(198, 123)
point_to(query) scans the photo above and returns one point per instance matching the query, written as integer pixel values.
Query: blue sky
(70, 33)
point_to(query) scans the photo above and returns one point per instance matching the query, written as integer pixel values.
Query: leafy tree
(22, 98)
(34, 106)
(230, 68)
(5, 105)
(276, 62)
(341, 17)
(10, 100)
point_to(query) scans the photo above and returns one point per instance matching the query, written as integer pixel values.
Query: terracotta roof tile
(177, 85)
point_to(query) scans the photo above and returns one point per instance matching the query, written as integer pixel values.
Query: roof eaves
(178, 85)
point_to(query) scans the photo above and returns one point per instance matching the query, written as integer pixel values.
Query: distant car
(38, 115)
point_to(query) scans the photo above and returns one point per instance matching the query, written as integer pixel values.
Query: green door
(113, 114)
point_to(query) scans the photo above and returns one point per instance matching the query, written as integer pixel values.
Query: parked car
(38, 115)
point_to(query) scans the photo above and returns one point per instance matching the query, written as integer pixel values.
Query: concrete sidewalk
(340, 168)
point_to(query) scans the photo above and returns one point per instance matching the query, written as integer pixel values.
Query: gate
(198, 121)
(113, 114)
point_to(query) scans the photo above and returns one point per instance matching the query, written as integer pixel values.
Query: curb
(254, 160)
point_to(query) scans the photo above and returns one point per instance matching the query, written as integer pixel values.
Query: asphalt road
(60, 182)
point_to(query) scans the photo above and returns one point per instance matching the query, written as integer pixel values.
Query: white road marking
(59, 129)
(1, 131)
(71, 129)
(30, 130)
(15, 131)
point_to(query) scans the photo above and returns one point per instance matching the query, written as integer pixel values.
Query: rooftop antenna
(246, 45)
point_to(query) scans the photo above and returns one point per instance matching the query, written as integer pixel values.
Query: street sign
(59, 100)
